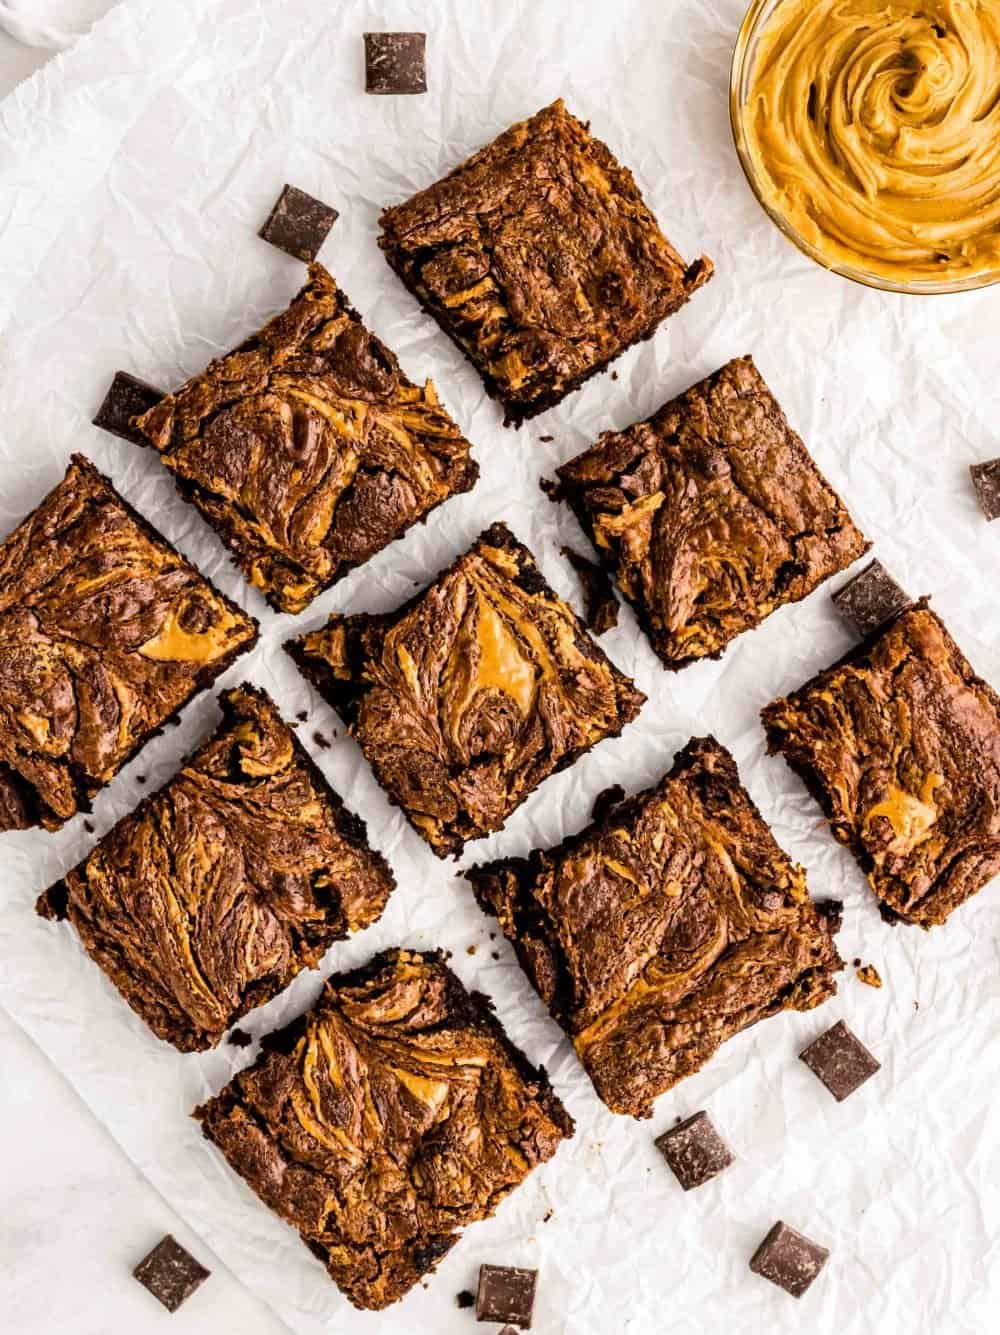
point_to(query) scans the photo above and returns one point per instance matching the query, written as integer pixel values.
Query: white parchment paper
(134, 173)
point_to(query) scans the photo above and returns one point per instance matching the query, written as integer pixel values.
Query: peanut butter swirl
(218, 890)
(874, 126)
(105, 631)
(385, 1120)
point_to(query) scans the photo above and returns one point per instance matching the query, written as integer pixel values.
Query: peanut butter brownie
(220, 888)
(307, 448)
(710, 515)
(472, 693)
(540, 259)
(899, 743)
(385, 1120)
(105, 632)
(664, 928)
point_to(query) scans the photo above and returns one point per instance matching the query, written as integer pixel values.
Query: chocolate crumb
(470, 950)
(240, 1038)
(88, 826)
(857, 963)
(302, 715)
(140, 778)
(465, 1299)
(870, 975)
(322, 742)
(495, 954)
(614, 375)
(545, 439)
(547, 1216)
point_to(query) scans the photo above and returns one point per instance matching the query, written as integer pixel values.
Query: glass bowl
(744, 57)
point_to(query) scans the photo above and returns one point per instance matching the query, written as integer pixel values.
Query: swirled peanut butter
(874, 126)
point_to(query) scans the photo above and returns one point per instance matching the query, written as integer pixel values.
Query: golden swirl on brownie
(874, 127)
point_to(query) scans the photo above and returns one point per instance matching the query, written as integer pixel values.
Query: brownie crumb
(302, 715)
(465, 1299)
(547, 1216)
(495, 954)
(857, 963)
(870, 975)
(88, 826)
(240, 1038)
(140, 778)
(470, 950)
(545, 439)
(321, 741)
(614, 375)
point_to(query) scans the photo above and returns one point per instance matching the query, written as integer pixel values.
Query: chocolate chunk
(394, 62)
(694, 1150)
(606, 801)
(986, 480)
(126, 398)
(506, 1293)
(870, 599)
(600, 603)
(789, 1260)
(298, 224)
(170, 1273)
(840, 1060)
(240, 1038)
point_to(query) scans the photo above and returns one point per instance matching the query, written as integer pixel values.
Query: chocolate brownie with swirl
(671, 923)
(471, 694)
(307, 448)
(540, 259)
(105, 633)
(217, 890)
(710, 515)
(385, 1120)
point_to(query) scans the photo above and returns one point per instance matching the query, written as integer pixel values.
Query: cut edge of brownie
(807, 774)
(525, 871)
(191, 491)
(563, 490)
(346, 699)
(52, 903)
(466, 1009)
(518, 411)
(85, 789)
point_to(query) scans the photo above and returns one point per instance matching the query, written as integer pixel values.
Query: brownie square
(216, 891)
(105, 632)
(899, 743)
(664, 928)
(385, 1120)
(470, 694)
(307, 448)
(710, 515)
(540, 259)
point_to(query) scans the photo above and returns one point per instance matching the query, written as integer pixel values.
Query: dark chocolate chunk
(240, 1038)
(870, 599)
(170, 1273)
(694, 1150)
(394, 62)
(506, 1293)
(606, 801)
(600, 603)
(126, 398)
(840, 1060)
(298, 224)
(789, 1260)
(465, 1299)
(986, 480)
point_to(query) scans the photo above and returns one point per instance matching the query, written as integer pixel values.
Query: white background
(139, 168)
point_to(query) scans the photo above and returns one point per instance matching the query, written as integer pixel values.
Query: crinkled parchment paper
(134, 173)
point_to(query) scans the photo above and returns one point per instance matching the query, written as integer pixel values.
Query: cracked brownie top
(216, 891)
(307, 448)
(668, 925)
(385, 1120)
(539, 257)
(105, 632)
(900, 744)
(711, 514)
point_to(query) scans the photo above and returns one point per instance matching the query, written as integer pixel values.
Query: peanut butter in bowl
(870, 129)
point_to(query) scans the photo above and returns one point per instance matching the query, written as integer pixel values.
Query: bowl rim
(739, 68)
